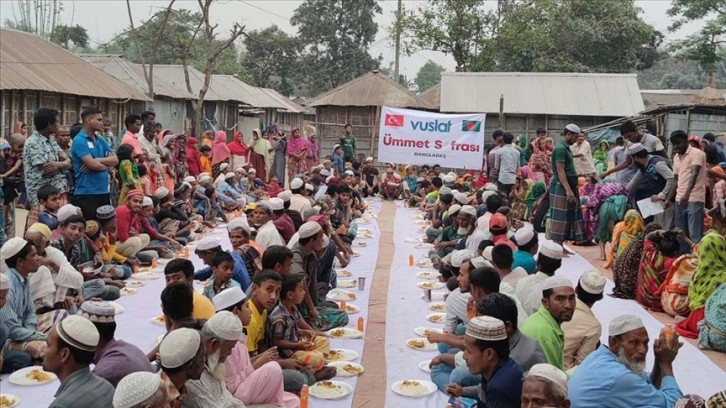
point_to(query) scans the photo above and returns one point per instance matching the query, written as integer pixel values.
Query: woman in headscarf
(625, 271)
(192, 157)
(660, 250)
(601, 157)
(278, 163)
(313, 157)
(238, 148)
(259, 153)
(220, 152)
(168, 160)
(532, 195)
(207, 137)
(180, 157)
(519, 198)
(604, 192)
(711, 272)
(623, 233)
(297, 150)
(21, 128)
(540, 163)
(520, 142)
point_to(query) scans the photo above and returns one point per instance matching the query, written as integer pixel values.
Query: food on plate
(134, 283)
(333, 355)
(351, 295)
(127, 291)
(439, 307)
(410, 383)
(437, 318)
(160, 319)
(427, 285)
(328, 385)
(417, 343)
(352, 369)
(7, 401)
(345, 273)
(351, 309)
(337, 333)
(38, 375)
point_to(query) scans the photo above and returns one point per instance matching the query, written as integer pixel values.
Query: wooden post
(376, 120)
(501, 111)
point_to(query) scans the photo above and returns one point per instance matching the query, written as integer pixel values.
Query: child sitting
(204, 159)
(114, 264)
(49, 198)
(273, 187)
(222, 266)
(145, 181)
(291, 334)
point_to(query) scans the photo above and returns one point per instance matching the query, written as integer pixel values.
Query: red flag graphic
(393, 120)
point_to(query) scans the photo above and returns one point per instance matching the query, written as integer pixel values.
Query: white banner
(417, 137)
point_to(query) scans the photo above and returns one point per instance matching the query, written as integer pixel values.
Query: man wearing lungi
(565, 209)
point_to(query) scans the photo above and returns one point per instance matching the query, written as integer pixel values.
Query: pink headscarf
(220, 151)
(297, 143)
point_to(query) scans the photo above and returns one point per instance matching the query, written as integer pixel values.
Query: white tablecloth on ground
(135, 325)
(694, 372)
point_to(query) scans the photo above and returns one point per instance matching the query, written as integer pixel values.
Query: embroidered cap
(551, 249)
(486, 328)
(179, 347)
(592, 282)
(551, 374)
(78, 332)
(97, 312)
(136, 388)
(225, 325)
(228, 298)
(106, 212)
(556, 282)
(624, 323)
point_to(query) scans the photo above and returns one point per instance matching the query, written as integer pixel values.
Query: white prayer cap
(461, 198)
(223, 166)
(336, 146)
(524, 236)
(228, 298)
(323, 172)
(458, 257)
(326, 242)
(161, 192)
(285, 195)
(449, 178)
(136, 388)
(229, 175)
(487, 253)
(252, 171)
(592, 282)
(624, 323)
(204, 173)
(635, 148)
(480, 262)
(445, 190)
(556, 282)
(455, 208)
(452, 174)
(276, 204)
(4, 282)
(12, 247)
(573, 128)
(486, 328)
(78, 332)
(349, 172)
(239, 169)
(491, 187)
(179, 347)
(486, 194)
(97, 311)
(551, 374)
(205, 179)
(309, 186)
(147, 202)
(467, 209)
(208, 242)
(551, 249)
(187, 184)
(190, 179)
(238, 223)
(225, 325)
(67, 211)
(309, 229)
(369, 159)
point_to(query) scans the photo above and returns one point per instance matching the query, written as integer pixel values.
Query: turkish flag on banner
(393, 120)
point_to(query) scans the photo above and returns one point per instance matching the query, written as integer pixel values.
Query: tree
(676, 73)
(428, 75)
(336, 36)
(271, 59)
(64, 35)
(704, 47)
(35, 16)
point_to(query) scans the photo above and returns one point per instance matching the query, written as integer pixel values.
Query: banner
(417, 137)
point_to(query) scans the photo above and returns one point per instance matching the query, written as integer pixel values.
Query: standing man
(582, 333)
(497, 136)
(632, 134)
(689, 169)
(582, 154)
(133, 126)
(44, 162)
(566, 222)
(347, 142)
(150, 147)
(92, 158)
(654, 180)
(506, 163)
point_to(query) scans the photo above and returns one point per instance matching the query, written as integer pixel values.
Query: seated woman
(519, 198)
(625, 270)
(712, 329)
(660, 249)
(624, 232)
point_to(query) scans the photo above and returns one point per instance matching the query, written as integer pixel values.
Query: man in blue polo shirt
(92, 157)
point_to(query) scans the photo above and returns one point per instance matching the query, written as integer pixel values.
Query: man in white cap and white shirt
(467, 228)
(140, 390)
(529, 289)
(10, 360)
(228, 195)
(616, 372)
(582, 333)
(545, 386)
(71, 348)
(282, 221)
(558, 306)
(582, 153)
(267, 234)
(182, 358)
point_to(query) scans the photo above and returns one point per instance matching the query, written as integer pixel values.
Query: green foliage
(271, 59)
(704, 47)
(674, 73)
(64, 36)
(335, 36)
(402, 79)
(428, 75)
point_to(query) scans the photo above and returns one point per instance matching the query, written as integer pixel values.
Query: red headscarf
(194, 165)
(297, 143)
(697, 140)
(220, 151)
(237, 146)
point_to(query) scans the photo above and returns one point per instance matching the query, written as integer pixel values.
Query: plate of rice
(420, 343)
(347, 283)
(340, 294)
(340, 355)
(330, 389)
(436, 317)
(34, 375)
(347, 368)
(414, 388)
(344, 333)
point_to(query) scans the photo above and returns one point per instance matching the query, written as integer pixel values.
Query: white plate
(19, 377)
(426, 345)
(344, 273)
(424, 245)
(367, 230)
(340, 367)
(344, 333)
(422, 389)
(421, 331)
(414, 240)
(364, 236)
(13, 400)
(347, 283)
(430, 285)
(421, 222)
(340, 294)
(351, 309)
(339, 390)
(435, 296)
(117, 308)
(428, 275)
(424, 366)
(437, 306)
(146, 275)
(134, 284)
(343, 355)
(356, 254)
(423, 264)
(436, 318)
(360, 244)
(127, 291)
(159, 320)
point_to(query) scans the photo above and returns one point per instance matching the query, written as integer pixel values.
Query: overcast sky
(104, 19)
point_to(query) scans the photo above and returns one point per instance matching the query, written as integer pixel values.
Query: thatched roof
(371, 89)
(432, 96)
(710, 96)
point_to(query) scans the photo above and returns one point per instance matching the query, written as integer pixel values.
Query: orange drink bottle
(186, 252)
(342, 305)
(667, 333)
(410, 260)
(153, 263)
(304, 396)
(135, 268)
(360, 324)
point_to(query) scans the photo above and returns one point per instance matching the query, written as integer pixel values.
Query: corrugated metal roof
(174, 74)
(133, 75)
(541, 93)
(371, 89)
(287, 104)
(432, 96)
(28, 61)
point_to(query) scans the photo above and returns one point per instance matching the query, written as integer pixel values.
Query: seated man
(114, 358)
(181, 356)
(616, 373)
(129, 239)
(10, 360)
(392, 185)
(162, 244)
(545, 386)
(267, 234)
(210, 246)
(182, 270)
(140, 389)
(71, 346)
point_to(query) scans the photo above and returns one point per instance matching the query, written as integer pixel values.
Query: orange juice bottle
(342, 305)
(360, 324)
(304, 396)
(410, 260)
(186, 252)
(668, 333)
(154, 264)
(135, 268)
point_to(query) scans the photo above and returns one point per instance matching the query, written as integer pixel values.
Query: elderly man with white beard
(467, 228)
(616, 373)
(220, 335)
